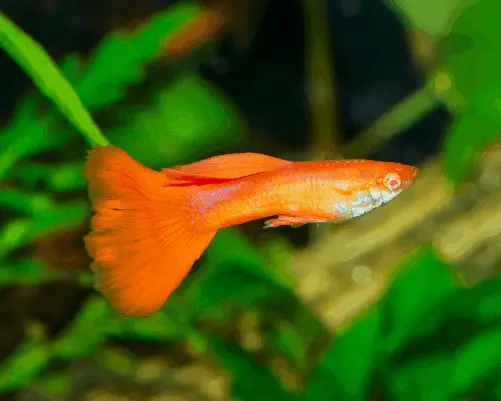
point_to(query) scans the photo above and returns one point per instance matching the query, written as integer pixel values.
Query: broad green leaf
(35, 61)
(467, 137)
(23, 365)
(423, 281)
(251, 381)
(345, 371)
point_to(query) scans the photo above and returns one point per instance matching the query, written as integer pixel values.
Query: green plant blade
(40, 67)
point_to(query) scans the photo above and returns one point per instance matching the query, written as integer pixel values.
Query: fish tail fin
(143, 238)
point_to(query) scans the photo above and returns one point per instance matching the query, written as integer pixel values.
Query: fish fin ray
(141, 241)
(222, 168)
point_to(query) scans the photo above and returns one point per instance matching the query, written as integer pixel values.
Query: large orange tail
(142, 241)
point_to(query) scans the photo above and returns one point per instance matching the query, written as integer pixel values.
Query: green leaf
(346, 369)
(418, 15)
(404, 305)
(86, 332)
(474, 362)
(466, 139)
(35, 61)
(23, 366)
(481, 303)
(30, 204)
(444, 377)
(117, 360)
(233, 271)
(471, 54)
(35, 137)
(120, 58)
(14, 234)
(25, 272)
(160, 327)
(251, 381)
(188, 118)
(287, 341)
(428, 379)
(54, 384)
(61, 178)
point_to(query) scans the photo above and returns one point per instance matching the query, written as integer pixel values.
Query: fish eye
(392, 181)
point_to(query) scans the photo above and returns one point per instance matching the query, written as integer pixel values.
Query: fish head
(374, 184)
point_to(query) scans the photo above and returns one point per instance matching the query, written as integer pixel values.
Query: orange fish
(151, 226)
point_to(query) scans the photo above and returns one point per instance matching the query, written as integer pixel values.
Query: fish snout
(414, 173)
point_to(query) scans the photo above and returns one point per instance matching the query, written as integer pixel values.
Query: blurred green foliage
(429, 338)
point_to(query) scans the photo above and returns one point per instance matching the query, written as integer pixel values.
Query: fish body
(320, 191)
(151, 226)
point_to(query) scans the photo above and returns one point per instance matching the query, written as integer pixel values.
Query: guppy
(149, 226)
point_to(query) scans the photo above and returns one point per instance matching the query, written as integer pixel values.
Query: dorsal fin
(222, 168)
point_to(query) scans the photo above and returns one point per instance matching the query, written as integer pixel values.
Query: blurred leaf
(26, 362)
(279, 251)
(251, 381)
(449, 376)
(86, 332)
(346, 368)
(54, 384)
(19, 232)
(481, 303)
(58, 178)
(288, 342)
(35, 61)
(418, 15)
(25, 135)
(403, 307)
(120, 58)
(45, 216)
(427, 379)
(15, 233)
(466, 139)
(160, 327)
(233, 271)
(187, 120)
(25, 272)
(476, 360)
(471, 53)
(30, 204)
(117, 360)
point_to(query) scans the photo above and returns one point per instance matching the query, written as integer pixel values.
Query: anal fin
(294, 221)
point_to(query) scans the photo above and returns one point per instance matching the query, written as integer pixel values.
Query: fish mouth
(408, 182)
(414, 174)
